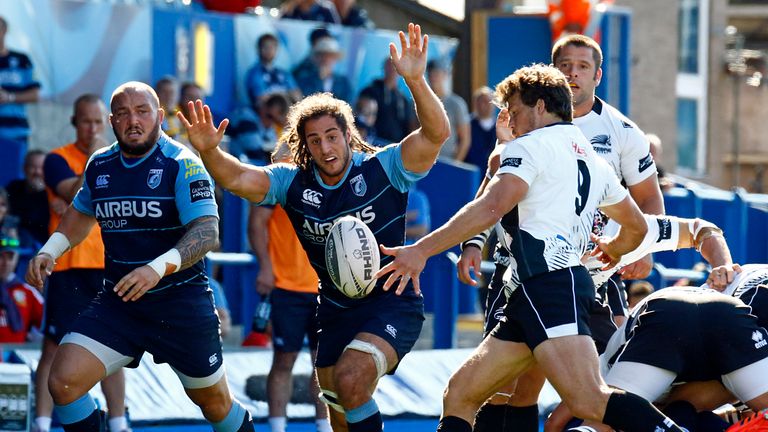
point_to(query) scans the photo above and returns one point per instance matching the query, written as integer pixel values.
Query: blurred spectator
(167, 89)
(286, 275)
(254, 130)
(222, 307)
(458, 143)
(230, 6)
(264, 78)
(656, 151)
(353, 15)
(366, 110)
(321, 77)
(27, 201)
(21, 306)
(9, 225)
(189, 92)
(483, 128)
(637, 291)
(306, 63)
(396, 117)
(311, 10)
(417, 217)
(17, 87)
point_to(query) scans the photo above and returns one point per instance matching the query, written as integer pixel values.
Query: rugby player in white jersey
(547, 180)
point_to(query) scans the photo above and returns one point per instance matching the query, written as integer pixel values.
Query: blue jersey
(143, 205)
(16, 75)
(374, 189)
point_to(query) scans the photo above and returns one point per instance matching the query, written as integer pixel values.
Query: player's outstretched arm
(421, 147)
(72, 229)
(244, 180)
(503, 194)
(633, 230)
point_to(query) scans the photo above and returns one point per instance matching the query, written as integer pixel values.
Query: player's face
(329, 147)
(578, 65)
(33, 171)
(89, 122)
(268, 50)
(136, 121)
(522, 118)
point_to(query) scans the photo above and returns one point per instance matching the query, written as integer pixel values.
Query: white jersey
(619, 141)
(750, 277)
(549, 229)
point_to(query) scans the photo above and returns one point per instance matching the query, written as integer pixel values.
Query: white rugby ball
(352, 257)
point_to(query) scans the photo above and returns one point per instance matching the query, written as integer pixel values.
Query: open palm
(202, 132)
(411, 62)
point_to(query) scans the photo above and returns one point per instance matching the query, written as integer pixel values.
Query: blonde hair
(312, 107)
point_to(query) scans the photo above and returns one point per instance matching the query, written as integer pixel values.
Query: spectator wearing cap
(264, 78)
(353, 15)
(21, 306)
(396, 117)
(321, 77)
(311, 10)
(458, 143)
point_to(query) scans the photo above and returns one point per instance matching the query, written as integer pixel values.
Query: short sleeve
(614, 192)
(194, 191)
(522, 158)
(280, 177)
(392, 161)
(636, 161)
(82, 201)
(55, 170)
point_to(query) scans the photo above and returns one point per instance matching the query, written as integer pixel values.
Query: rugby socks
(490, 418)
(323, 425)
(365, 418)
(238, 420)
(522, 419)
(81, 415)
(453, 424)
(118, 424)
(631, 413)
(42, 424)
(277, 424)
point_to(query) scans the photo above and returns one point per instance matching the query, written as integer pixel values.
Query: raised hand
(411, 62)
(504, 133)
(201, 130)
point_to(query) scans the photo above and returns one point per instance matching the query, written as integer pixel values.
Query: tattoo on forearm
(202, 236)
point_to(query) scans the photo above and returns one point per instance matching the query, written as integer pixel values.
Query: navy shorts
(496, 300)
(178, 326)
(698, 336)
(396, 319)
(547, 306)
(67, 294)
(294, 315)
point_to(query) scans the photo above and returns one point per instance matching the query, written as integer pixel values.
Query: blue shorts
(549, 305)
(67, 294)
(396, 319)
(294, 315)
(177, 326)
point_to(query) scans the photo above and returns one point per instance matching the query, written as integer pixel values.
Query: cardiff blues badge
(358, 185)
(154, 177)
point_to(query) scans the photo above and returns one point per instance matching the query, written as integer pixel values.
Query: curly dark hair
(538, 81)
(310, 108)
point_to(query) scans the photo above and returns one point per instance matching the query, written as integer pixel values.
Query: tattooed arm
(202, 236)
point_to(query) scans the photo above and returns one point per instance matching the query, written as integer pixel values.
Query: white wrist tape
(56, 245)
(477, 241)
(697, 226)
(172, 257)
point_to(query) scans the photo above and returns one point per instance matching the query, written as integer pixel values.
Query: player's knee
(63, 387)
(215, 405)
(351, 385)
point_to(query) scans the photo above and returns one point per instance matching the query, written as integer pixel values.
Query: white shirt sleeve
(523, 158)
(636, 161)
(614, 192)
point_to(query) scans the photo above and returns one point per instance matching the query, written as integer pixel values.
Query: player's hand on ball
(407, 266)
(136, 283)
(720, 277)
(604, 252)
(39, 268)
(202, 131)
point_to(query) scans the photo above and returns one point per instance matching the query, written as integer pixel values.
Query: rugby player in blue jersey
(335, 174)
(153, 201)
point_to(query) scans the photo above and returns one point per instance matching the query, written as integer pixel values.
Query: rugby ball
(352, 257)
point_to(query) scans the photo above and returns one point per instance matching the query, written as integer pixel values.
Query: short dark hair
(538, 81)
(166, 79)
(264, 38)
(437, 64)
(83, 99)
(578, 40)
(317, 34)
(31, 154)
